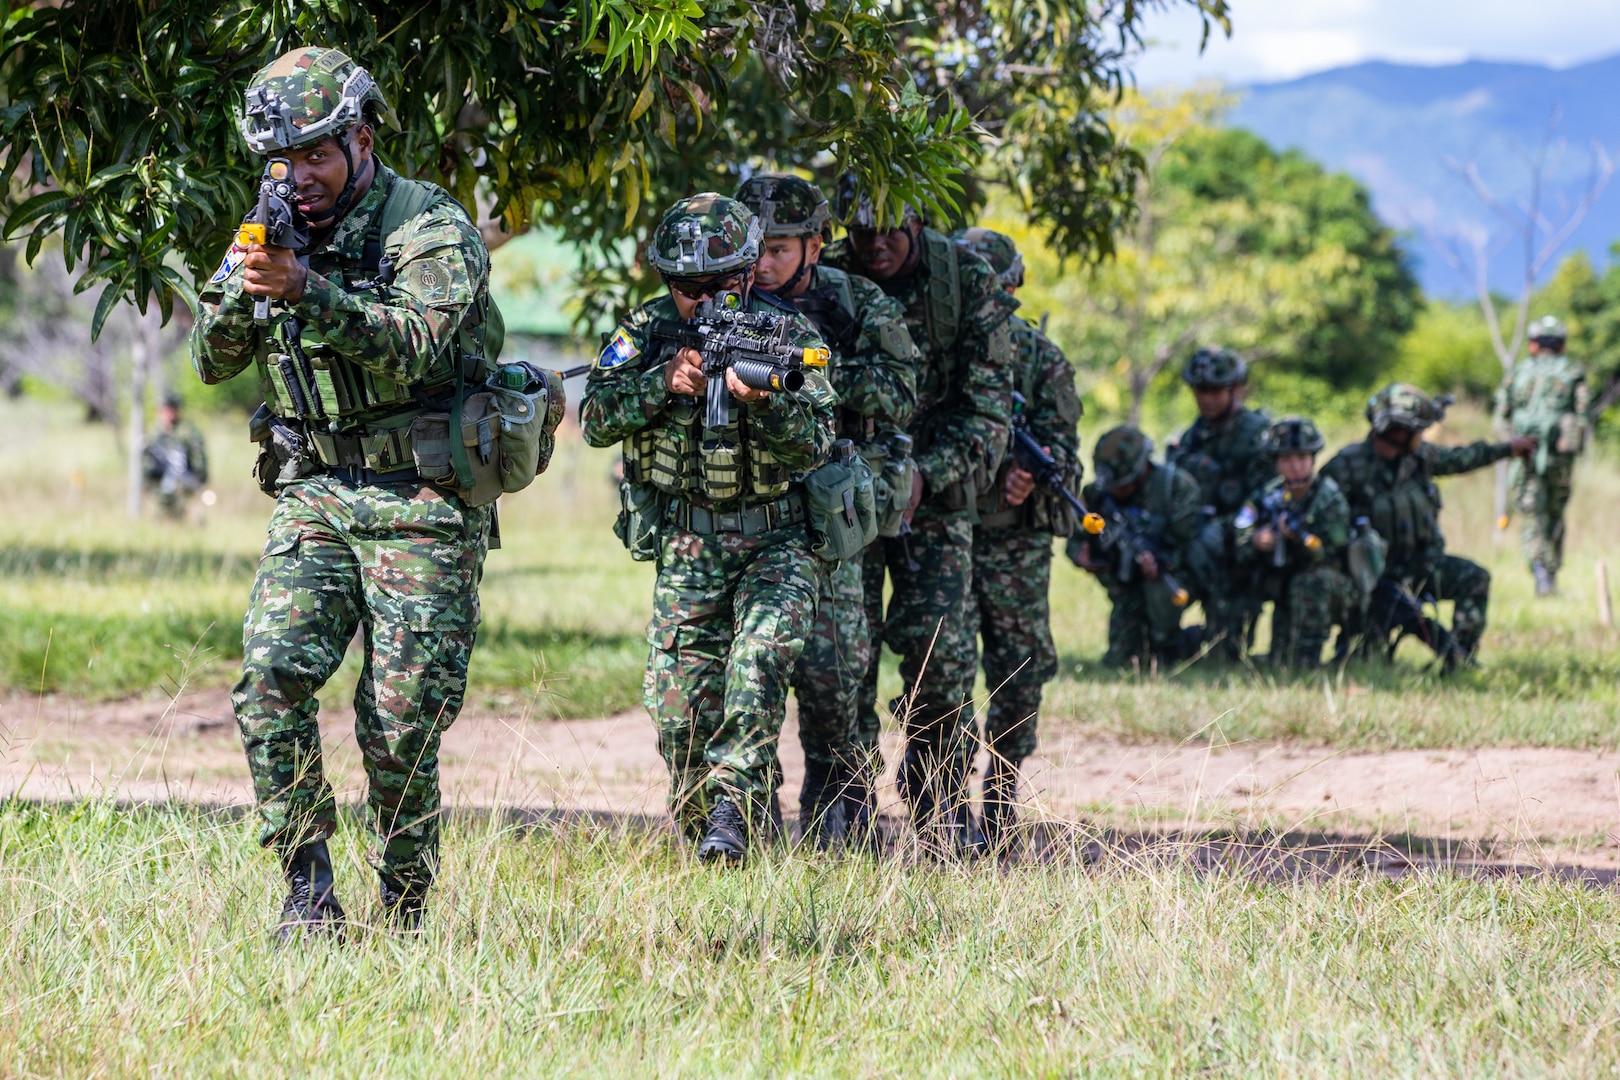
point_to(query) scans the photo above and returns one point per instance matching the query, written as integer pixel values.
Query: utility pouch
(530, 401)
(641, 518)
(434, 453)
(1366, 557)
(841, 505)
(893, 471)
(1571, 434)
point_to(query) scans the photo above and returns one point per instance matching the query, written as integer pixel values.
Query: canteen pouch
(841, 504)
(891, 486)
(530, 402)
(480, 435)
(1571, 434)
(1366, 556)
(641, 519)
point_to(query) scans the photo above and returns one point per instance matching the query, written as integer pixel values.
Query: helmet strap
(787, 287)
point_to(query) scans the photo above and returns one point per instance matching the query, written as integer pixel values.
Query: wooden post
(1605, 605)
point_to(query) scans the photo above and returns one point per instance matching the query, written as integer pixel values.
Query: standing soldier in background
(957, 313)
(1544, 396)
(724, 512)
(175, 461)
(1389, 480)
(1152, 520)
(1012, 549)
(1291, 538)
(873, 370)
(357, 538)
(1223, 451)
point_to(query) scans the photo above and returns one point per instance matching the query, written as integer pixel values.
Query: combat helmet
(1293, 435)
(855, 209)
(1121, 456)
(705, 235)
(306, 95)
(786, 205)
(1215, 367)
(1401, 405)
(1548, 330)
(998, 250)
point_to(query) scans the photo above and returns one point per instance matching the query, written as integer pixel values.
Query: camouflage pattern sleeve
(1328, 519)
(1182, 517)
(1451, 460)
(1054, 408)
(879, 376)
(797, 428)
(1340, 469)
(975, 427)
(625, 391)
(441, 270)
(223, 336)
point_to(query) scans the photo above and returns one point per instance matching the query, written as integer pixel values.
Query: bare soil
(1527, 805)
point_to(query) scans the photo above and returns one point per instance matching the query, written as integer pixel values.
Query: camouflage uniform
(737, 583)
(1311, 592)
(957, 313)
(1400, 500)
(175, 464)
(1144, 625)
(1546, 396)
(356, 545)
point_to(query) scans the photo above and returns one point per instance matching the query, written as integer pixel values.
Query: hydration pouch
(530, 402)
(480, 433)
(1571, 434)
(841, 504)
(641, 519)
(1366, 557)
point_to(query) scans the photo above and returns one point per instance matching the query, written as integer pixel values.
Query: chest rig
(1399, 499)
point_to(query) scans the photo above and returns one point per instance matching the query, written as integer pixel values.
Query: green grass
(134, 944)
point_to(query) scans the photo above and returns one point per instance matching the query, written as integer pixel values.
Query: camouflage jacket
(757, 458)
(1399, 497)
(396, 336)
(1322, 513)
(1226, 458)
(1167, 508)
(874, 365)
(1545, 396)
(964, 389)
(1045, 378)
(176, 453)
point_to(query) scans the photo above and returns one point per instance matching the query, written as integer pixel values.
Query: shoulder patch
(1246, 517)
(227, 266)
(895, 339)
(618, 349)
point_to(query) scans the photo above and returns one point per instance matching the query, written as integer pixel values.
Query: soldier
(1389, 479)
(957, 314)
(1545, 396)
(175, 462)
(357, 538)
(1291, 538)
(1153, 515)
(1223, 452)
(873, 371)
(737, 582)
(1012, 548)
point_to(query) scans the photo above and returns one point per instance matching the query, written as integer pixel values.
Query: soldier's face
(320, 173)
(168, 416)
(1215, 402)
(1296, 469)
(688, 293)
(782, 258)
(884, 255)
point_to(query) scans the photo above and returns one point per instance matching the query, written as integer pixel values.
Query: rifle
(1123, 541)
(274, 222)
(1033, 459)
(1276, 510)
(753, 344)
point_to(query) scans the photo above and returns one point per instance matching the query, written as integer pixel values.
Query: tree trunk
(144, 347)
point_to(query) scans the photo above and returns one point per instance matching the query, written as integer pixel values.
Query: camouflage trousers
(402, 563)
(730, 618)
(1012, 575)
(1397, 601)
(830, 672)
(1307, 604)
(1144, 625)
(1230, 609)
(1540, 501)
(927, 624)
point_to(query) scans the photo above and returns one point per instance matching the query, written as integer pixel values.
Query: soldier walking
(1012, 549)
(349, 355)
(1545, 397)
(175, 461)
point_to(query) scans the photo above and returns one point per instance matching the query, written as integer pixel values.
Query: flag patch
(618, 349)
(227, 267)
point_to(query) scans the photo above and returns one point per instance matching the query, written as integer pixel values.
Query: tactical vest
(1407, 513)
(830, 306)
(1221, 483)
(305, 379)
(1043, 511)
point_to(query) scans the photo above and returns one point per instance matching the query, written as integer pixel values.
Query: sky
(1274, 40)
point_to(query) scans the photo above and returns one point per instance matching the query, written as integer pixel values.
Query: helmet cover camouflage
(1401, 405)
(1215, 367)
(856, 210)
(1293, 435)
(1121, 457)
(306, 95)
(703, 235)
(998, 250)
(1548, 330)
(786, 205)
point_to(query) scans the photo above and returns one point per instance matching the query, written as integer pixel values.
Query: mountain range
(1406, 131)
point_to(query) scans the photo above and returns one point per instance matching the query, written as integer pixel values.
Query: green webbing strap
(458, 450)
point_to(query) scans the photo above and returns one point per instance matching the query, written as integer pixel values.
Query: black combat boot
(859, 807)
(821, 810)
(311, 906)
(1546, 583)
(1000, 806)
(727, 838)
(937, 793)
(403, 903)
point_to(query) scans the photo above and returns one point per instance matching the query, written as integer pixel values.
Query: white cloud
(1283, 39)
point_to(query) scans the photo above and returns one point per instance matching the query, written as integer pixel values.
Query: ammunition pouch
(1366, 558)
(972, 491)
(641, 519)
(842, 509)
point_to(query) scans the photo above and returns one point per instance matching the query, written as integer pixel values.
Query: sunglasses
(707, 287)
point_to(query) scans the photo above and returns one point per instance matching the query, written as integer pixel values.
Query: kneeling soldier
(1291, 539)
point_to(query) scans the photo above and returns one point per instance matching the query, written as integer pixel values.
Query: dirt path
(1529, 805)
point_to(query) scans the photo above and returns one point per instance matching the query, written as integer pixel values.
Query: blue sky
(1281, 39)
